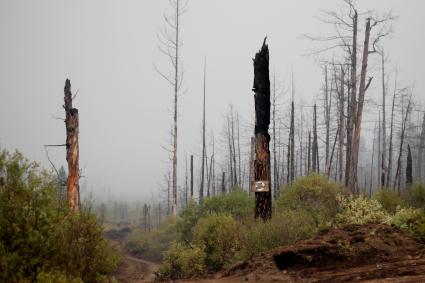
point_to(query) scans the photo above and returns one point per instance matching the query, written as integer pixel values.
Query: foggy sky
(107, 49)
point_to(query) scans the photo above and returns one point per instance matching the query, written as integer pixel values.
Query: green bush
(220, 236)
(151, 245)
(182, 261)
(39, 240)
(389, 200)
(410, 219)
(283, 229)
(236, 203)
(315, 195)
(82, 251)
(360, 210)
(415, 195)
(187, 221)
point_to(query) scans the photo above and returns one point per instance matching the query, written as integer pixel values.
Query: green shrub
(151, 245)
(182, 261)
(313, 194)
(360, 210)
(39, 240)
(283, 229)
(389, 200)
(220, 236)
(81, 249)
(415, 195)
(410, 219)
(187, 221)
(236, 203)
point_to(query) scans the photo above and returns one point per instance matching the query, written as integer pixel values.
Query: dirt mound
(353, 253)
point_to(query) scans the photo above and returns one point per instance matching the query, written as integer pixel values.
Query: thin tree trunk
(315, 149)
(352, 105)
(409, 167)
(341, 128)
(384, 128)
(72, 149)
(201, 189)
(261, 87)
(309, 153)
(292, 142)
(421, 150)
(352, 182)
(371, 166)
(191, 177)
(223, 183)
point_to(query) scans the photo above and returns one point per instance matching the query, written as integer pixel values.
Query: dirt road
(135, 270)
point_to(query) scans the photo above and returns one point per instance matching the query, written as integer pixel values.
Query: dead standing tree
(72, 149)
(169, 45)
(261, 87)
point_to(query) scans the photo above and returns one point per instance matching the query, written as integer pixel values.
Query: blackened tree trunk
(72, 150)
(191, 177)
(409, 175)
(223, 183)
(261, 87)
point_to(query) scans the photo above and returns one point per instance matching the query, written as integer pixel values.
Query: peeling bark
(72, 150)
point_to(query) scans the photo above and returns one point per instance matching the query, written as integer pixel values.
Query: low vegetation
(40, 241)
(221, 231)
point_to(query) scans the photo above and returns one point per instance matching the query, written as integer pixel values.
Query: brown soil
(354, 253)
(135, 270)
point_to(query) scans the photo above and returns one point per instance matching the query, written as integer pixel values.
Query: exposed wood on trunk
(72, 149)
(261, 87)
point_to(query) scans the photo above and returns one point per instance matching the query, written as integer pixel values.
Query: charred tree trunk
(409, 174)
(223, 183)
(261, 87)
(354, 154)
(72, 149)
(309, 153)
(191, 177)
(315, 149)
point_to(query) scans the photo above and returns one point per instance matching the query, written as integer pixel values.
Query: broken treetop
(262, 90)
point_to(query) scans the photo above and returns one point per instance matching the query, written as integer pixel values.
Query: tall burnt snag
(72, 151)
(261, 183)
